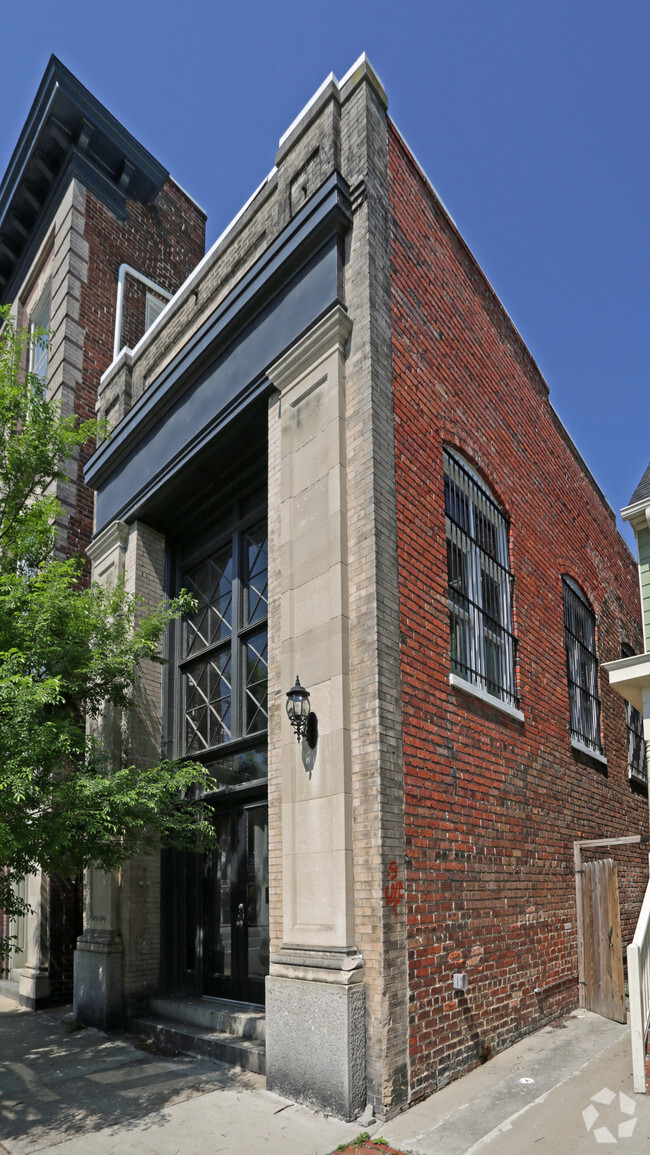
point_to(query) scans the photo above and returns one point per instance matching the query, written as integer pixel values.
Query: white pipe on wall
(124, 269)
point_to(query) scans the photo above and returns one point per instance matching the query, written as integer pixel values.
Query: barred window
(479, 583)
(582, 666)
(636, 753)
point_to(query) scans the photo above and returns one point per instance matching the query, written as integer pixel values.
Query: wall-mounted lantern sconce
(305, 724)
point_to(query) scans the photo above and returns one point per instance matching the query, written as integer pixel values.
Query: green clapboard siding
(643, 539)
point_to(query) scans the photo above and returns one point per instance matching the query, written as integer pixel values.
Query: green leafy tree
(68, 652)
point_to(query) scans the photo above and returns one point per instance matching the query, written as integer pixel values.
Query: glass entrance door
(236, 905)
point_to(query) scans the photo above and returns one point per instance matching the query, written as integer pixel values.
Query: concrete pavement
(556, 1091)
(531, 1098)
(82, 1092)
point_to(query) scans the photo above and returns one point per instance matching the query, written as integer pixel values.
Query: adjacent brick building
(494, 800)
(83, 207)
(337, 440)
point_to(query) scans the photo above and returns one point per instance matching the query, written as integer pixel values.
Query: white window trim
(153, 308)
(36, 319)
(633, 773)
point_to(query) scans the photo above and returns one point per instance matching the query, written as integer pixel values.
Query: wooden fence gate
(603, 984)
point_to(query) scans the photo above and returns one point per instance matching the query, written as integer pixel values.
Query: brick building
(336, 439)
(95, 237)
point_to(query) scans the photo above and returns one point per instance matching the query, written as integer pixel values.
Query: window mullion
(480, 614)
(237, 690)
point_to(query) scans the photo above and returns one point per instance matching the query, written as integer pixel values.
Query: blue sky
(529, 116)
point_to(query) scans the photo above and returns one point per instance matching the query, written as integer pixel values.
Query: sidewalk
(531, 1098)
(79, 1092)
(82, 1092)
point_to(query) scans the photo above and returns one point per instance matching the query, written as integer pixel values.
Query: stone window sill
(483, 696)
(588, 751)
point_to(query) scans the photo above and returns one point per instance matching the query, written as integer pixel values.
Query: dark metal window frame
(483, 648)
(231, 529)
(637, 766)
(581, 666)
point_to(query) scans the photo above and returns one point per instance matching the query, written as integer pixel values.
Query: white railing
(638, 976)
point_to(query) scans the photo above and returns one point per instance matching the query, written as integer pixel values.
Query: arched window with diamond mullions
(482, 644)
(223, 662)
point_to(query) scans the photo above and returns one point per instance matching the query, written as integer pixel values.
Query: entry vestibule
(216, 910)
(215, 906)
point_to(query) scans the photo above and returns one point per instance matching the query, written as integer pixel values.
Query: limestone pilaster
(98, 957)
(33, 979)
(317, 971)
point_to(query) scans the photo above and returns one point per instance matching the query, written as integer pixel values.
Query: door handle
(239, 921)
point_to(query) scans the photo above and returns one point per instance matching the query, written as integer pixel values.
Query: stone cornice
(325, 216)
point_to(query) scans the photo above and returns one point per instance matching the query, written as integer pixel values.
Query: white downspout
(124, 269)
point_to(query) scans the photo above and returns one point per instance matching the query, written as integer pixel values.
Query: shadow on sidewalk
(57, 1084)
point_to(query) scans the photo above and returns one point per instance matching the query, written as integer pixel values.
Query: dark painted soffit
(325, 215)
(67, 133)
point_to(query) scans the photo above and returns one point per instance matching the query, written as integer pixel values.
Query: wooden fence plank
(619, 1011)
(590, 959)
(603, 952)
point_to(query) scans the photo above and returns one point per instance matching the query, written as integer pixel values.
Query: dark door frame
(186, 933)
(231, 905)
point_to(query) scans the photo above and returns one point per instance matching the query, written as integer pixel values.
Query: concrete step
(244, 1020)
(9, 989)
(249, 1054)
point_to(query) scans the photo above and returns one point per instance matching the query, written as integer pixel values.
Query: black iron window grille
(637, 767)
(483, 647)
(582, 666)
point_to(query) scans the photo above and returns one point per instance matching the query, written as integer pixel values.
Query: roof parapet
(331, 89)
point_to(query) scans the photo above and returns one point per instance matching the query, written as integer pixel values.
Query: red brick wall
(164, 241)
(493, 804)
